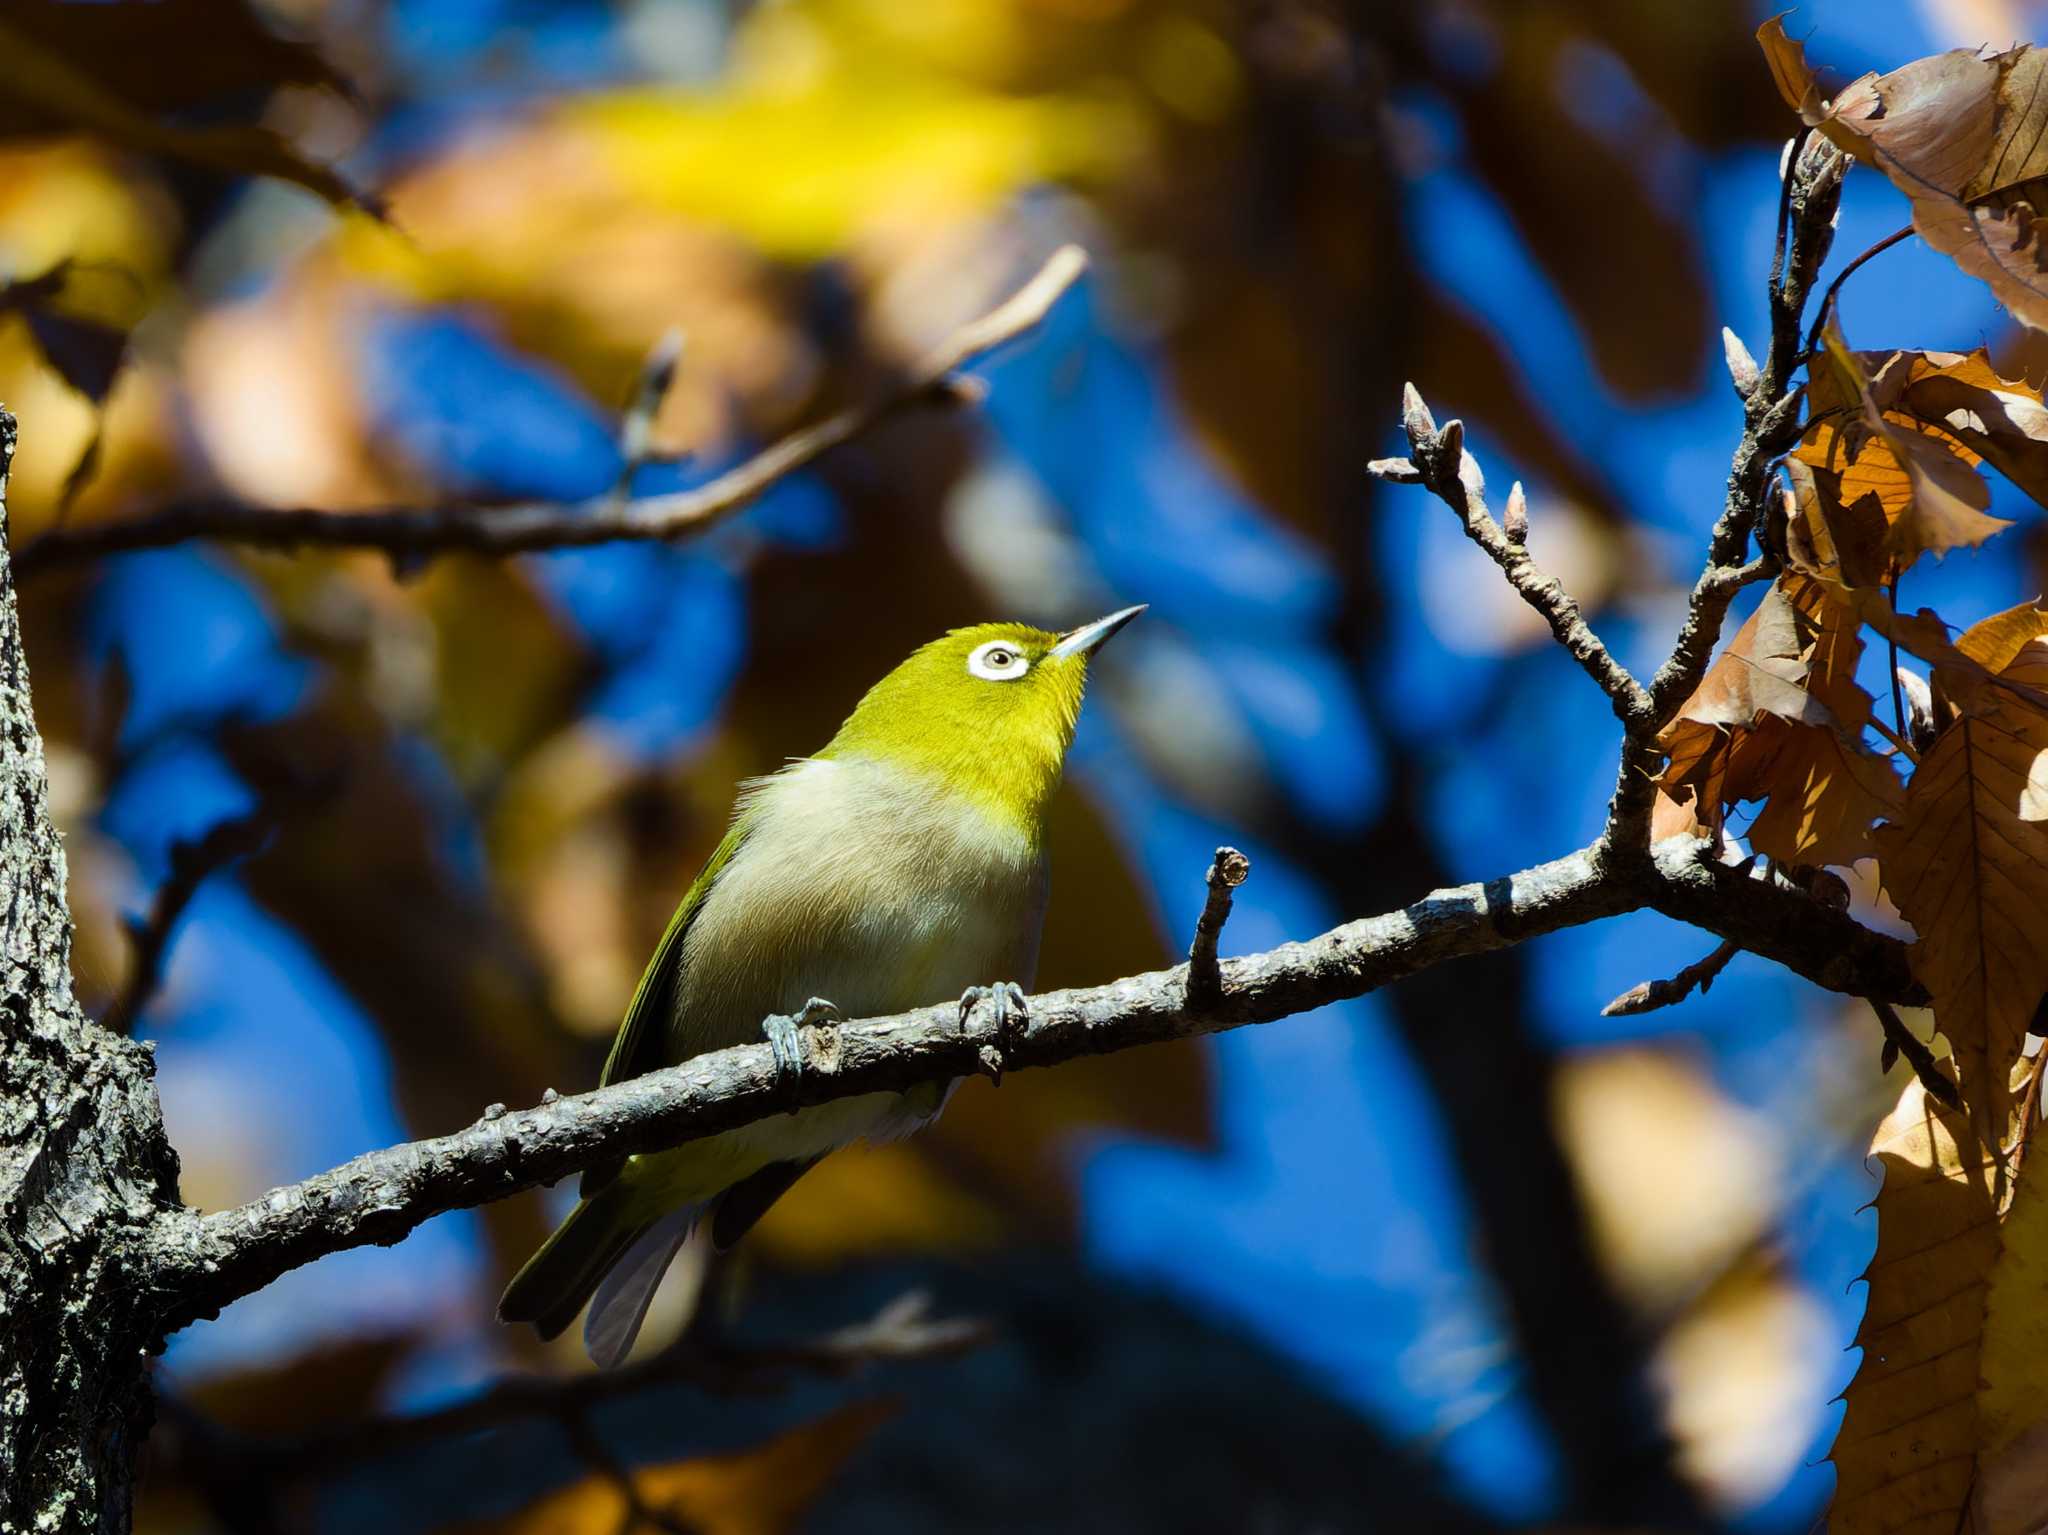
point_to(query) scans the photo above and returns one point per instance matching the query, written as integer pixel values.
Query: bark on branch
(201, 1262)
(412, 533)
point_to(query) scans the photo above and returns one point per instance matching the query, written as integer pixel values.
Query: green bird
(902, 865)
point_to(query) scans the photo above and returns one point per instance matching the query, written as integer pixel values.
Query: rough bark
(84, 1169)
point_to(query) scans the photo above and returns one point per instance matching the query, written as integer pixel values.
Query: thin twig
(1205, 974)
(636, 427)
(591, 1449)
(1827, 299)
(1902, 1041)
(903, 1331)
(192, 863)
(412, 533)
(1437, 459)
(1648, 996)
(1891, 649)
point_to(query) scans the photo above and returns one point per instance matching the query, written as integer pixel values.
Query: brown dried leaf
(1905, 1455)
(1822, 788)
(1864, 444)
(1965, 137)
(2002, 421)
(1967, 862)
(1763, 671)
(2012, 1396)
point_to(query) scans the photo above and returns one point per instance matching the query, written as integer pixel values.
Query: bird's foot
(1013, 1012)
(787, 1044)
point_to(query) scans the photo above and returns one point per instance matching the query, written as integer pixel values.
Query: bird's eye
(997, 661)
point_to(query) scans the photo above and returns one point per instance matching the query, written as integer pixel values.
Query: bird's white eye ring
(997, 661)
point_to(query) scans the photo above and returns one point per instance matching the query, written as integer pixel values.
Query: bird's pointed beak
(1089, 638)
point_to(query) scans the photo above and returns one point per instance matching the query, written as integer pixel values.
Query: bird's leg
(1013, 1011)
(783, 1040)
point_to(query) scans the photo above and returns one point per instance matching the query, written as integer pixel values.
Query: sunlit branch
(201, 1262)
(419, 532)
(1811, 191)
(1205, 977)
(1438, 460)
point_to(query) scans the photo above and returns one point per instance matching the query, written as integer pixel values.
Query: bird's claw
(1013, 1012)
(786, 1042)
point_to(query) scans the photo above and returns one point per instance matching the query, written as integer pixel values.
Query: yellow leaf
(1906, 1454)
(877, 1199)
(1969, 869)
(801, 175)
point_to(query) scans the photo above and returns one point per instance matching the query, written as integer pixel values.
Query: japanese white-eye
(901, 866)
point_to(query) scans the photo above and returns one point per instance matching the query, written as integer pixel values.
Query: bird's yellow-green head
(986, 712)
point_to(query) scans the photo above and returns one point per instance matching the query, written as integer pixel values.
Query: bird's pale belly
(872, 932)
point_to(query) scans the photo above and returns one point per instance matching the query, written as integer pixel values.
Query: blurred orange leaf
(762, 1491)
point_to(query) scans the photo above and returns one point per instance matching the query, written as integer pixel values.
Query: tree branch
(419, 532)
(201, 1262)
(1439, 461)
(1205, 976)
(1811, 191)
(192, 861)
(1648, 996)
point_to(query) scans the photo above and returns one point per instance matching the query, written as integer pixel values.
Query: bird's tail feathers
(557, 1280)
(623, 1295)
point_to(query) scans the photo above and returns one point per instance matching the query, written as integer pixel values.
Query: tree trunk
(84, 1166)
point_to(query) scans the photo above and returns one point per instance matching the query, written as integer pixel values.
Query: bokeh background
(1464, 1254)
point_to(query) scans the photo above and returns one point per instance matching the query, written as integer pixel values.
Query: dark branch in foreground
(902, 1330)
(1900, 1040)
(192, 862)
(1648, 996)
(417, 532)
(201, 1262)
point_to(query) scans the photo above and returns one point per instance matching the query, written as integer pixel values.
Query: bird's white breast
(863, 884)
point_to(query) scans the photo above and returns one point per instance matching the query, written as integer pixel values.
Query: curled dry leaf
(1887, 483)
(1966, 861)
(1965, 136)
(1780, 718)
(1905, 1457)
